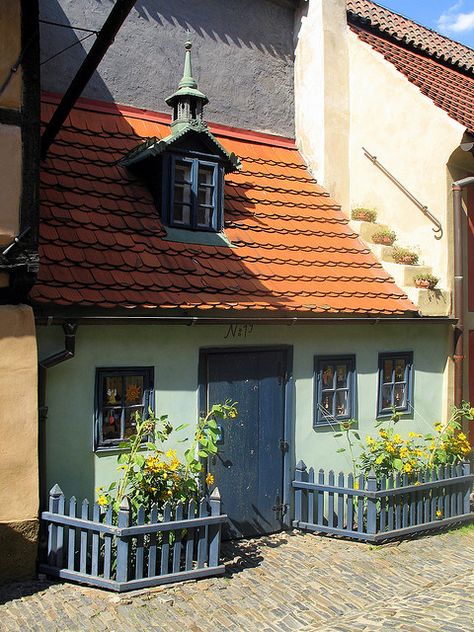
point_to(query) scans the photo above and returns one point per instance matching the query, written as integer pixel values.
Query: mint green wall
(174, 352)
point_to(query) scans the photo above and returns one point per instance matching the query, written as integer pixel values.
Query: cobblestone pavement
(284, 582)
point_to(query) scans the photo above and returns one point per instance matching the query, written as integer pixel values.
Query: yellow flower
(102, 500)
(438, 426)
(404, 452)
(171, 454)
(462, 436)
(407, 468)
(390, 447)
(417, 483)
(383, 433)
(369, 440)
(414, 435)
(356, 484)
(472, 412)
(397, 438)
(209, 479)
(439, 513)
(418, 452)
(232, 413)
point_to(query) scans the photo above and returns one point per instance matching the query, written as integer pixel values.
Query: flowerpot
(426, 285)
(384, 241)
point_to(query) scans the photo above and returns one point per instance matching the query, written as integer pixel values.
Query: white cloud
(454, 21)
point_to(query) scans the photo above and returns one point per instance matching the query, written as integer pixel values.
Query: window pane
(400, 365)
(387, 370)
(134, 389)
(341, 376)
(204, 216)
(328, 376)
(182, 193)
(182, 214)
(399, 395)
(111, 423)
(112, 390)
(205, 195)
(206, 175)
(130, 421)
(182, 171)
(386, 396)
(327, 403)
(342, 403)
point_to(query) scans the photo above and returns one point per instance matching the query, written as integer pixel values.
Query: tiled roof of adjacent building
(102, 245)
(415, 35)
(416, 52)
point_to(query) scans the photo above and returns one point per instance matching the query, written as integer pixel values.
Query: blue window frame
(120, 393)
(193, 193)
(395, 388)
(334, 390)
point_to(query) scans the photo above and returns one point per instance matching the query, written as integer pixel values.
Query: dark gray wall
(242, 56)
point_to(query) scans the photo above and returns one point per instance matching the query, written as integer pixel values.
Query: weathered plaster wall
(18, 444)
(242, 56)
(10, 190)
(414, 139)
(10, 47)
(174, 352)
(322, 118)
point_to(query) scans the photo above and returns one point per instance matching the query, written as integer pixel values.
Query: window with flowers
(120, 394)
(395, 382)
(334, 389)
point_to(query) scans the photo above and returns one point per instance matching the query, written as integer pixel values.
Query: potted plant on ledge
(426, 281)
(405, 256)
(364, 214)
(385, 237)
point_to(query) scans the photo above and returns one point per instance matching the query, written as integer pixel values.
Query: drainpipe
(67, 353)
(458, 355)
(105, 38)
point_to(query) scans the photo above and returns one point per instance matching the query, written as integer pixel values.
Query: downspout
(67, 353)
(458, 355)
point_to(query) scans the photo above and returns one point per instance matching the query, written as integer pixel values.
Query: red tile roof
(449, 89)
(367, 13)
(102, 244)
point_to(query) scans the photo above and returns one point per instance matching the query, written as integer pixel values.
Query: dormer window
(195, 200)
(192, 162)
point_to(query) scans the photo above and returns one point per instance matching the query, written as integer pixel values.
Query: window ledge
(204, 238)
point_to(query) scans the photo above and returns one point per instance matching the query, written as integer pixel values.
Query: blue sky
(454, 18)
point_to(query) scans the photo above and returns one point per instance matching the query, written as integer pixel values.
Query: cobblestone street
(285, 582)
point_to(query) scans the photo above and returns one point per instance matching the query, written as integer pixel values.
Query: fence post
(466, 470)
(300, 472)
(54, 496)
(123, 542)
(215, 530)
(371, 504)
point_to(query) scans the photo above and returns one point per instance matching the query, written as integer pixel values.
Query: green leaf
(356, 435)
(338, 434)
(122, 458)
(181, 427)
(380, 459)
(202, 453)
(398, 464)
(341, 450)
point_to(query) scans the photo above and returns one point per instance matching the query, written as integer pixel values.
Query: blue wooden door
(249, 467)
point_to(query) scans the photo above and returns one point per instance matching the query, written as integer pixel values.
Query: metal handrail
(438, 231)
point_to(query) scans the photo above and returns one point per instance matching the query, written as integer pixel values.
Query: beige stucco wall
(10, 190)
(322, 93)
(414, 139)
(10, 46)
(18, 414)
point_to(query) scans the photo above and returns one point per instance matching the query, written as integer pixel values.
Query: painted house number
(238, 331)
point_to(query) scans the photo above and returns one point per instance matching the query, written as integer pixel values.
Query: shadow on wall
(142, 65)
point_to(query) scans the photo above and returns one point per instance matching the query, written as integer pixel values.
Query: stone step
(366, 229)
(430, 302)
(405, 275)
(383, 253)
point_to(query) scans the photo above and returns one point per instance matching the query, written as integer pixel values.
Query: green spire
(187, 102)
(188, 80)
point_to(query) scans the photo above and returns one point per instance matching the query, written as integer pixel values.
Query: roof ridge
(455, 53)
(118, 109)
